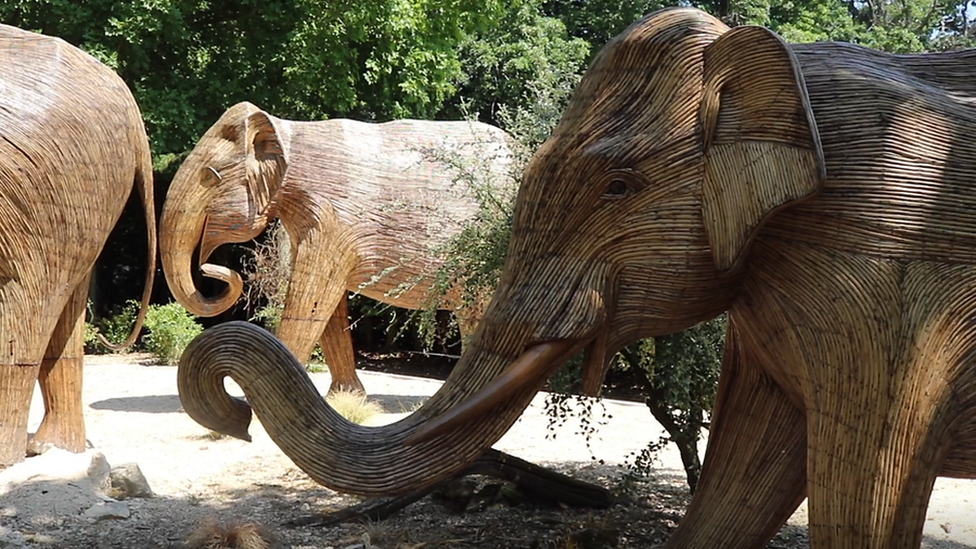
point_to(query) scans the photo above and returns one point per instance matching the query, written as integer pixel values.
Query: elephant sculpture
(72, 147)
(367, 207)
(822, 194)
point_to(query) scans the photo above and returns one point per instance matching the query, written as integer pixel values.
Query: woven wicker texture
(822, 194)
(72, 146)
(368, 208)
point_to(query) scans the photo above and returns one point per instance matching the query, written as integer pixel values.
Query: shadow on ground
(168, 404)
(398, 404)
(52, 514)
(149, 404)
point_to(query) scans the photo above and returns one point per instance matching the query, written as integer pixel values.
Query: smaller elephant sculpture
(366, 207)
(72, 147)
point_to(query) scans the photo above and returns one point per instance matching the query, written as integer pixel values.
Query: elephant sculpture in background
(822, 194)
(72, 147)
(367, 208)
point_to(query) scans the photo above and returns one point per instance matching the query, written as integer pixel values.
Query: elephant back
(899, 142)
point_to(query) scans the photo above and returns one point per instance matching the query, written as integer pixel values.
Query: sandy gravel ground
(133, 415)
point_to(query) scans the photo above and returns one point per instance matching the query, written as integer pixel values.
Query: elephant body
(367, 207)
(821, 194)
(72, 146)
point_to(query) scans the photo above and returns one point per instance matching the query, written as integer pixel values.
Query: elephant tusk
(534, 364)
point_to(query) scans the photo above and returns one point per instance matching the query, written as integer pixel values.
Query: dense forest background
(187, 60)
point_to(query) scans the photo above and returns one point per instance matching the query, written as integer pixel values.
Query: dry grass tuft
(215, 535)
(354, 406)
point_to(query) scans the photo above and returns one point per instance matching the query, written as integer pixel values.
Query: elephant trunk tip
(200, 382)
(222, 414)
(203, 306)
(240, 434)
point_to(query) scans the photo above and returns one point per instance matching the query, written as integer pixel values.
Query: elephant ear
(762, 149)
(266, 160)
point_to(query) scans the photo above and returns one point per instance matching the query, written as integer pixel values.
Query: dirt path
(134, 415)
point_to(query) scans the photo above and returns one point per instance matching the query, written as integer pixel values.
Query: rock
(11, 538)
(43, 490)
(456, 494)
(129, 482)
(108, 510)
(99, 471)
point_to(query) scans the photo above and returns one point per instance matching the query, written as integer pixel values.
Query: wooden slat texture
(824, 195)
(369, 208)
(72, 147)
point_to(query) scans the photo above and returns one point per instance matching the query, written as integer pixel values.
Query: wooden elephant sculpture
(822, 194)
(72, 147)
(366, 207)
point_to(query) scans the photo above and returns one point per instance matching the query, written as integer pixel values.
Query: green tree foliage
(188, 60)
(508, 65)
(680, 377)
(598, 21)
(899, 27)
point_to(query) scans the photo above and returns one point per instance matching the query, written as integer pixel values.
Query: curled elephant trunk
(181, 230)
(369, 461)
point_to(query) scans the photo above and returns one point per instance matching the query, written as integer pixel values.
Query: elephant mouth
(531, 368)
(594, 296)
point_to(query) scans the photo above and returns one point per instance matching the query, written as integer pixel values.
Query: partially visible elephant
(72, 146)
(367, 207)
(823, 194)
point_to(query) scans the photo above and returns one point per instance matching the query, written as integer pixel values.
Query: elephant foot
(65, 433)
(64, 421)
(16, 390)
(352, 385)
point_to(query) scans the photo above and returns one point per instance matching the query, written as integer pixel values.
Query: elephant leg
(754, 475)
(467, 323)
(874, 457)
(336, 342)
(320, 272)
(16, 389)
(60, 379)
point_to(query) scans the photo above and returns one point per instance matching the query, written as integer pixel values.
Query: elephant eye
(623, 182)
(616, 189)
(211, 176)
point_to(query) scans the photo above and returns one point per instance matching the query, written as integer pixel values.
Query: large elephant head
(223, 193)
(632, 220)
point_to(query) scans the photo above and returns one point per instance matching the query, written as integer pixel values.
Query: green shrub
(680, 380)
(92, 345)
(171, 328)
(115, 327)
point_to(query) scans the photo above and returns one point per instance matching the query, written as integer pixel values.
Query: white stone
(108, 510)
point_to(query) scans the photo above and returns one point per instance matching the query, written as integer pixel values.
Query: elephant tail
(144, 185)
